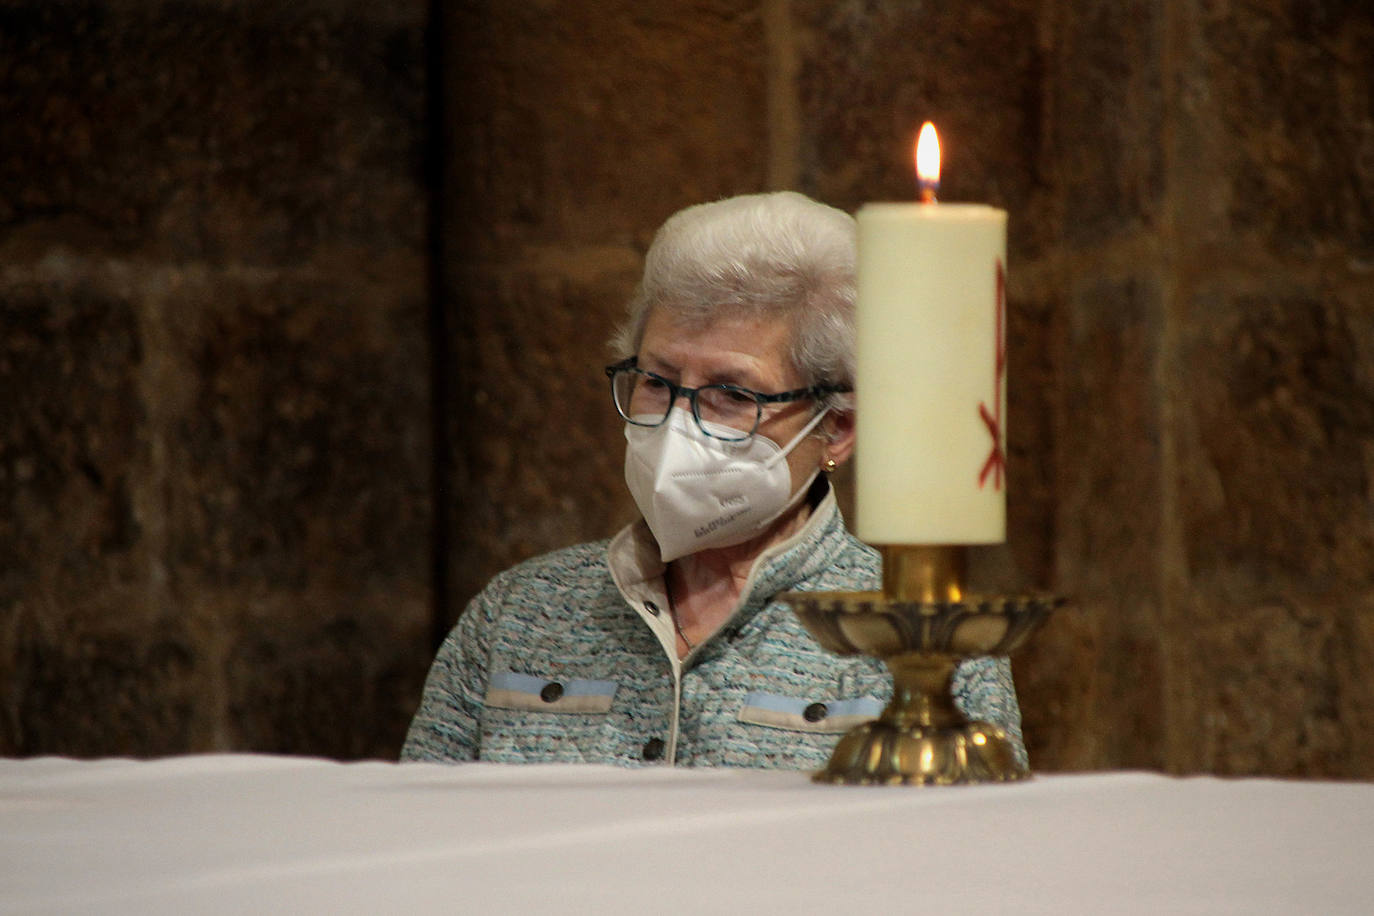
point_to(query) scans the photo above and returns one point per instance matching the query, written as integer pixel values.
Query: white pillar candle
(930, 461)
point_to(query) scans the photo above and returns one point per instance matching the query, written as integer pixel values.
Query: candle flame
(928, 161)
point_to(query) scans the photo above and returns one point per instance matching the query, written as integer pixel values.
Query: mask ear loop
(805, 431)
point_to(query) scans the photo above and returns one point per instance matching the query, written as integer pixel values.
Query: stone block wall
(215, 455)
(253, 461)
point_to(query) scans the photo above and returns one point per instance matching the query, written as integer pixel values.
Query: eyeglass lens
(645, 400)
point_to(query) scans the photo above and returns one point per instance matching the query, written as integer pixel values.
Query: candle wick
(927, 195)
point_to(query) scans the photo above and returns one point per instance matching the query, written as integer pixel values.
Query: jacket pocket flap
(508, 690)
(818, 716)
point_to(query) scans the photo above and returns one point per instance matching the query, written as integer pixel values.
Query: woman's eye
(728, 399)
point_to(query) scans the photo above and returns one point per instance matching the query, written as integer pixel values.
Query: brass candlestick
(922, 625)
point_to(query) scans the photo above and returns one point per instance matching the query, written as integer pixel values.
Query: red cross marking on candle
(997, 459)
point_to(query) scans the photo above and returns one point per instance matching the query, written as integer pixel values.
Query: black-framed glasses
(726, 412)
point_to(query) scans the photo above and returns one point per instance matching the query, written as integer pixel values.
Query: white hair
(780, 254)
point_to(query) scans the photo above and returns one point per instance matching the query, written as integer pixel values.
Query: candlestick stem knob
(924, 572)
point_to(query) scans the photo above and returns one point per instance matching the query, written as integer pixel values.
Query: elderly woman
(666, 643)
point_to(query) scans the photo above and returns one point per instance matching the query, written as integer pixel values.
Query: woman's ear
(838, 430)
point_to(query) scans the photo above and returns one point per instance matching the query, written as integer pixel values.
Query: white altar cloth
(259, 834)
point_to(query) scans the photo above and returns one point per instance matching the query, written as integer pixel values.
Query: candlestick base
(879, 753)
(921, 738)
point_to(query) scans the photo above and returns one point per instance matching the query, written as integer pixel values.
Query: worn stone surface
(1276, 689)
(1035, 352)
(1287, 90)
(324, 671)
(580, 123)
(302, 393)
(871, 73)
(300, 465)
(212, 130)
(73, 676)
(85, 694)
(1107, 118)
(1275, 496)
(73, 421)
(198, 477)
(1280, 427)
(1276, 405)
(214, 454)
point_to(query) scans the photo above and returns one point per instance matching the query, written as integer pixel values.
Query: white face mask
(696, 492)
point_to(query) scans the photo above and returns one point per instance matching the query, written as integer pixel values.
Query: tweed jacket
(571, 657)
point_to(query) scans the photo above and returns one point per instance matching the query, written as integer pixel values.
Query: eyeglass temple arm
(795, 393)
